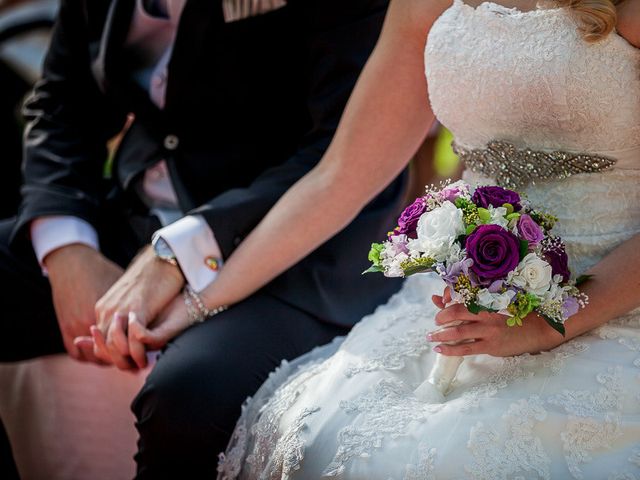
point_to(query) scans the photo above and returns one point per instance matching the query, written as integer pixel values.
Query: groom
(224, 105)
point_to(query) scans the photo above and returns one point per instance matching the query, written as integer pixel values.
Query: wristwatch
(163, 250)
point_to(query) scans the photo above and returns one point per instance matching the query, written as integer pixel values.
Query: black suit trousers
(190, 402)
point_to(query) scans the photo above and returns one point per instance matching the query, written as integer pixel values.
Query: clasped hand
(487, 332)
(141, 311)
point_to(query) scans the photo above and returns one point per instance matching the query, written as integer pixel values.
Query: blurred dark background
(25, 27)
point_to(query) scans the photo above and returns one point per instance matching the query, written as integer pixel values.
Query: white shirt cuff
(57, 231)
(196, 249)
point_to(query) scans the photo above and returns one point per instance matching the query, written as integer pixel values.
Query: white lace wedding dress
(348, 410)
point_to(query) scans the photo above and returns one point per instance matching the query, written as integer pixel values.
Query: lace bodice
(529, 78)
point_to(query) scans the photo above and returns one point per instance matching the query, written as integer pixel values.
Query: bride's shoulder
(422, 13)
(629, 21)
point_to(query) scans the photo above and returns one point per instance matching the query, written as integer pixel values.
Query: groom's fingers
(99, 347)
(85, 346)
(103, 352)
(137, 349)
(116, 335)
(117, 343)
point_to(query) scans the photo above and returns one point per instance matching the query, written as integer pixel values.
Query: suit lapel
(106, 65)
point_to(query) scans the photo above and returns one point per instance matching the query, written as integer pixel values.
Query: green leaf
(557, 326)
(374, 269)
(524, 248)
(583, 278)
(470, 229)
(511, 321)
(474, 308)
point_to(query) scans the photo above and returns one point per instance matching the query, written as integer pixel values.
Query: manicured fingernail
(430, 337)
(437, 349)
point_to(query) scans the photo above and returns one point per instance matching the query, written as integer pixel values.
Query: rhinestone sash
(513, 168)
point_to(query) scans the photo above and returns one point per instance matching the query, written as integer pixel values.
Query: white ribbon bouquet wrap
(494, 252)
(440, 378)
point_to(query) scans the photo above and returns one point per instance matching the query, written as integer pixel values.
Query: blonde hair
(596, 18)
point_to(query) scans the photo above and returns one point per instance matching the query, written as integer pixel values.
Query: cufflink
(212, 263)
(235, 10)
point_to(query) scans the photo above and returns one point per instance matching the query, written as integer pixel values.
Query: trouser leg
(189, 405)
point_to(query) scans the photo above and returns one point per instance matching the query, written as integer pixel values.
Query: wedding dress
(348, 410)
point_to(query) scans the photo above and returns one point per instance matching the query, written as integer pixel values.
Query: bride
(556, 78)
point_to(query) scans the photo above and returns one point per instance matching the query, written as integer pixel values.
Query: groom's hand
(79, 276)
(143, 291)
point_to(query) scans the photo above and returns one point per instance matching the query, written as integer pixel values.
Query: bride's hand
(488, 333)
(142, 338)
(173, 320)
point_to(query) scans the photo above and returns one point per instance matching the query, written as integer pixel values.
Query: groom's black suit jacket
(251, 106)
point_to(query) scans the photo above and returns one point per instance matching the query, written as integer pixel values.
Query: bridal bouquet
(494, 251)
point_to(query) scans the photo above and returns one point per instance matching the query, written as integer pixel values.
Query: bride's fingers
(446, 297)
(455, 313)
(470, 348)
(459, 333)
(437, 301)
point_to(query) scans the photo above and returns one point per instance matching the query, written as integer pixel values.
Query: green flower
(374, 254)
(545, 220)
(417, 265)
(469, 211)
(523, 305)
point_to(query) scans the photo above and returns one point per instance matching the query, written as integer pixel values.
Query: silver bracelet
(198, 312)
(191, 309)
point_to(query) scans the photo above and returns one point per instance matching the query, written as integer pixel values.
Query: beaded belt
(513, 168)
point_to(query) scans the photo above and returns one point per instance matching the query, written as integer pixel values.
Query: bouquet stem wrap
(441, 376)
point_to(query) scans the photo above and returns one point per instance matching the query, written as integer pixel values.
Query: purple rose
(408, 221)
(495, 196)
(530, 230)
(557, 258)
(494, 251)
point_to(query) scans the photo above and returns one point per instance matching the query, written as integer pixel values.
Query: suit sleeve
(68, 125)
(339, 44)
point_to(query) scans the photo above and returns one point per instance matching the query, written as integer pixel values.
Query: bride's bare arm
(383, 124)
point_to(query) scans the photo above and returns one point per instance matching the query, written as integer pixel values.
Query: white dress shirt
(190, 237)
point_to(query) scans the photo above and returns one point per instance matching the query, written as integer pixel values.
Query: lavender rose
(408, 221)
(530, 230)
(557, 258)
(495, 252)
(495, 196)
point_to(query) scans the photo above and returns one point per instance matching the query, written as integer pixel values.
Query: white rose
(437, 231)
(532, 274)
(495, 301)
